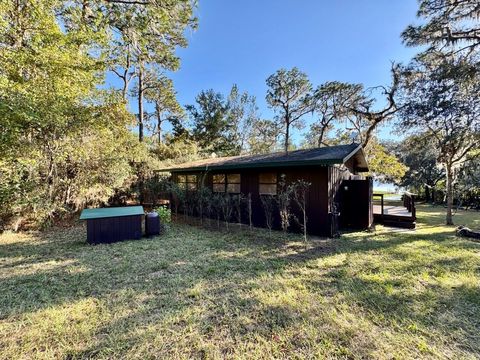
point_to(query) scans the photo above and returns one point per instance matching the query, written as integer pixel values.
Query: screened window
(187, 182)
(192, 182)
(229, 183)
(182, 181)
(219, 182)
(267, 184)
(233, 183)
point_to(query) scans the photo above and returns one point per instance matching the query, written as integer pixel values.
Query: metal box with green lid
(106, 225)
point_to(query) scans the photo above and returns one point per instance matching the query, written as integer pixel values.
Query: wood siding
(317, 198)
(324, 195)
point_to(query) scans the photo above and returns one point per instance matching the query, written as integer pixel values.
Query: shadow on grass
(167, 268)
(103, 269)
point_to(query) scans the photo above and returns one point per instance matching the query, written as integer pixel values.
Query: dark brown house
(338, 196)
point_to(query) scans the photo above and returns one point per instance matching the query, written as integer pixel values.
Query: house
(338, 196)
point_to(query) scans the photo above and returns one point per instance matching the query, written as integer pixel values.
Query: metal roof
(323, 156)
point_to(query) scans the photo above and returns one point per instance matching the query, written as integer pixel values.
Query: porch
(395, 213)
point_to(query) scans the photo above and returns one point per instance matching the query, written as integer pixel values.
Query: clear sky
(245, 41)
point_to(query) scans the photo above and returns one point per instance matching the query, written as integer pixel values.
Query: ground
(197, 293)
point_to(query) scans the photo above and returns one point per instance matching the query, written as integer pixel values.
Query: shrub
(268, 204)
(283, 200)
(165, 214)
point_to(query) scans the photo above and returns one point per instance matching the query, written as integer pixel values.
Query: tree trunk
(449, 218)
(126, 77)
(126, 83)
(159, 123)
(287, 135)
(140, 102)
(427, 193)
(320, 138)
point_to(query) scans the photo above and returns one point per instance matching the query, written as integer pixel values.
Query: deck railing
(381, 201)
(409, 203)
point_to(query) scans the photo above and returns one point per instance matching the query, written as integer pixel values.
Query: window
(267, 184)
(219, 183)
(229, 183)
(182, 181)
(192, 182)
(187, 182)
(233, 183)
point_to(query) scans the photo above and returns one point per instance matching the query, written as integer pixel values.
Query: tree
(64, 142)
(419, 153)
(284, 199)
(355, 106)
(242, 117)
(176, 150)
(441, 98)
(383, 164)
(227, 208)
(264, 137)
(143, 37)
(290, 95)
(468, 184)
(141, 32)
(448, 23)
(360, 114)
(204, 195)
(331, 101)
(178, 196)
(162, 95)
(268, 205)
(299, 194)
(210, 127)
(217, 205)
(238, 202)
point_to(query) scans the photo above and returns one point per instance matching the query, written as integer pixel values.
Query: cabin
(339, 197)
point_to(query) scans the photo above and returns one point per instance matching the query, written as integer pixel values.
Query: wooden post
(382, 202)
(414, 210)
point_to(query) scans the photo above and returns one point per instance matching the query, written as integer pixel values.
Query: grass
(197, 293)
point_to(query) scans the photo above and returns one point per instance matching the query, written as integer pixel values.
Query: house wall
(319, 197)
(332, 190)
(356, 203)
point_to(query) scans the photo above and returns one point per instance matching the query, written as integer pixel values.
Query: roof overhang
(360, 161)
(360, 164)
(252, 166)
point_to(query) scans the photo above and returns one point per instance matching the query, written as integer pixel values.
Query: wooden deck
(397, 216)
(399, 211)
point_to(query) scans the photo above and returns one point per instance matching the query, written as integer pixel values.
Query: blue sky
(243, 42)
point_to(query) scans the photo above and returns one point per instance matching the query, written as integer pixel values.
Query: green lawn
(197, 293)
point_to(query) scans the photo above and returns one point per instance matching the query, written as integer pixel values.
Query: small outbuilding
(338, 197)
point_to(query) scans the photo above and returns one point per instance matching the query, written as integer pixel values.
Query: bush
(165, 214)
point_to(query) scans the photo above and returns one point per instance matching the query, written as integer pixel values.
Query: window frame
(223, 182)
(189, 184)
(260, 183)
(180, 183)
(226, 182)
